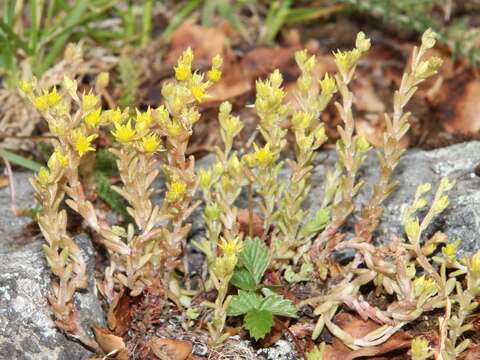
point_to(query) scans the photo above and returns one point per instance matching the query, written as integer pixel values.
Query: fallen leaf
(472, 353)
(204, 42)
(358, 328)
(302, 330)
(4, 181)
(243, 218)
(366, 99)
(110, 343)
(120, 313)
(459, 106)
(170, 349)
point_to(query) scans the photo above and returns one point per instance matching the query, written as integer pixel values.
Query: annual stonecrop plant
(248, 269)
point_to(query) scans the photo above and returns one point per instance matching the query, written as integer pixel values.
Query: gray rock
(461, 220)
(27, 330)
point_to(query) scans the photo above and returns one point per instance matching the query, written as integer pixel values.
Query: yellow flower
(43, 176)
(412, 228)
(26, 86)
(89, 101)
(161, 115)
(176, 192)
(57, 158)
(150, 143)
(41, 103)
(174, 128)
(83, 144)
(420, 349)
(346, 60)
(230, 247)
(53, 98)
(124, 133)
(214, 75)
(212, 212)
(183, 71)
(450, 251)
(224, 266)
(328, 85)
(198, 92)
(424, 286)
(474, 265)
(145, 117)
(115, 116)
(301, 120)
(264, 156)
(93, 118)
(205, 178)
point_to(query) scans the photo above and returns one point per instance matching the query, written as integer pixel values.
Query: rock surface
(27, 331)
(461, 220)
(26, 328)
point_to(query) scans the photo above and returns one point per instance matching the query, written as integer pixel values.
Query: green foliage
(419, 15)
(254, 257)
(305, 273)
(258, 323)
(105, 167)
(259, 310)
(317, 223)
(129, 76)
(19, 160)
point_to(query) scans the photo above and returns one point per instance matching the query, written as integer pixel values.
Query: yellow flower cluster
(224, 266)
(47, 100)
(56, 161)
(195, 81)
(176, 191)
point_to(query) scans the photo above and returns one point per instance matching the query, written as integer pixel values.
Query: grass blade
(20, 160)
(180, 16)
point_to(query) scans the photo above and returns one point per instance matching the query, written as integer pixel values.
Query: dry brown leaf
(4, 181)
(170, 349)
(459, 112)
(358, 328)
(302, 330)
(366, 98)
(243, 218)
(472, 353)
(204, 42)
(120, 313)
(110, 343)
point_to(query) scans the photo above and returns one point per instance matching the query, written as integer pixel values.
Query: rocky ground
(26, 328)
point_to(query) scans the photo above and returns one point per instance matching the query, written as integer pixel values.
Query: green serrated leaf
(278, 305)
(318, 223)
(258, 323)
(244, 280)
(242, 303)
(254, 257)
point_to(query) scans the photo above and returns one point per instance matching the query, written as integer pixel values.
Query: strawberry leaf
(254, 257)
(258, 323)
(242, 303)
(277, 305)
(244, 280)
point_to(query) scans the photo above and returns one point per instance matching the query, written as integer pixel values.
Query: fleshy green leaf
(305, 273)
(244, 280)
(254, 257)
(242, 303)
(318, 223)
(278, 305)
(258, 323)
